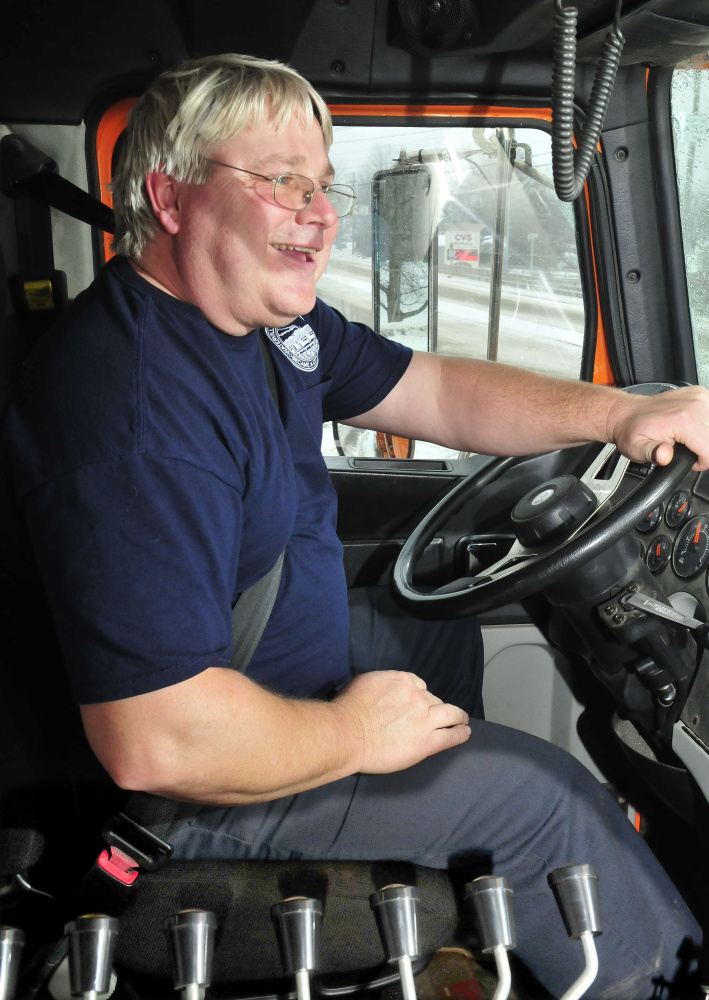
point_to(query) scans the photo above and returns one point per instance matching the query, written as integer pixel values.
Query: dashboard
(675, 543)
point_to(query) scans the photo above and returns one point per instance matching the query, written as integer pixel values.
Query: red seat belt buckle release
(118, 865)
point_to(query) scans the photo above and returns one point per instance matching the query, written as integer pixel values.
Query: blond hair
(186, 113)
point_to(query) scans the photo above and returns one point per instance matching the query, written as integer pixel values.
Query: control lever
(190, 939)
(396, 911)
(298, 923)
(491, 897)
(635, 599)
(575, 889)
(11, 943)
(92, 945)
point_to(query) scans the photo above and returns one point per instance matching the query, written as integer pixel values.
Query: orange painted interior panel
(438, 111)
(109, 129)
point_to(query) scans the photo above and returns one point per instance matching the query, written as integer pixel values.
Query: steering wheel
(528, 568)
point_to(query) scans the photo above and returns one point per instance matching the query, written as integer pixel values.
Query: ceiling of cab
(60, 57)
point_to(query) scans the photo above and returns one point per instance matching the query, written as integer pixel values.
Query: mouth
(306, 254)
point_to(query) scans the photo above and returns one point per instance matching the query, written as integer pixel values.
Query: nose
(319, 211)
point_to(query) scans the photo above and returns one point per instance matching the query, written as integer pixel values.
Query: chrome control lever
(396, 911)
(491, 897)
(642, 602)
(298, 923)
(92, 944)
(575, 889)
(12, 942)
(190, 938)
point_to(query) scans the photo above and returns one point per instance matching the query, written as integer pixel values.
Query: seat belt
(253, 609)
(140, 836)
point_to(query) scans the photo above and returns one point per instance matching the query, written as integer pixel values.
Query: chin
(297, 305)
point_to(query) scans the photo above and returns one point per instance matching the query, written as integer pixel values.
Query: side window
(457, 244)
(690, 127)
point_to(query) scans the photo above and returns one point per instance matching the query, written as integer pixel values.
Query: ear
(162, 191)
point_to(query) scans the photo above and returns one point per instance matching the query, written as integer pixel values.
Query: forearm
(495, 409)
(499, 410)
(222, 740)
(508, 411)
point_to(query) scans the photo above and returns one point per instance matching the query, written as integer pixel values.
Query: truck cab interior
(476, 231)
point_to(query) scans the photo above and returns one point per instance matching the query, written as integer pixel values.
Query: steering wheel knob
(553, 510)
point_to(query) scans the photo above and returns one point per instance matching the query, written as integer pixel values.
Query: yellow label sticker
(39, 295)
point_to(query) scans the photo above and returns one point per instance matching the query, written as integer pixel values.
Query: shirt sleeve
(138, 557)
(363, 367)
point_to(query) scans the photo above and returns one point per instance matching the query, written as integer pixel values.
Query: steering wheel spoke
(605, 486)
(517, 555)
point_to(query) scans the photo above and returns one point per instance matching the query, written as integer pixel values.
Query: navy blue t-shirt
(158, 481)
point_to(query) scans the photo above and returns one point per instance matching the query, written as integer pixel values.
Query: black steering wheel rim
(536, 574)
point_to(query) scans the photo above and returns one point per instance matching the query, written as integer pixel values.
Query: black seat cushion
(21, 848)
(241, 894)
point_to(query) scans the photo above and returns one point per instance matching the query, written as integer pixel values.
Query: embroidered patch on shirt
(298, 343)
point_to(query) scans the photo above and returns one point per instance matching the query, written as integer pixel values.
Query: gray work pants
(503, 803)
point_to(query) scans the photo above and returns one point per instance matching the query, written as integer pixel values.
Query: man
(158, 481)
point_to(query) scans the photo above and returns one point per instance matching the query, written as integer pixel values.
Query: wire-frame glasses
(295, 192)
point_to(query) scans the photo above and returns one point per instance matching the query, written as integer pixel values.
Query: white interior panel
(72, 239)
(524, 687)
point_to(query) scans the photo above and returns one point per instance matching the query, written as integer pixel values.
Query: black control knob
(551, 511)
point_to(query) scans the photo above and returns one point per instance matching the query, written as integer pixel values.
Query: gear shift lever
(298, 928)
(575, 888)
(11, 944)
(92, 944)
(491, 897)
(190, 938)
(396, 910)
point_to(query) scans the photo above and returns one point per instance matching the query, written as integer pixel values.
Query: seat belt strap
(250, 616)
(253, 609)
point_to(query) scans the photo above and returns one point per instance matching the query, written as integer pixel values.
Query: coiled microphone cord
(570, 166)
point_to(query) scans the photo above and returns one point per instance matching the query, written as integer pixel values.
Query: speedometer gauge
(691, 550)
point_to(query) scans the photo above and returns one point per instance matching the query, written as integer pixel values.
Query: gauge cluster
(675, 539)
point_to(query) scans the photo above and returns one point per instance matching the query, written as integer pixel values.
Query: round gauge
(679, 509)
(658, 553)
(691, 549)
(651, 520)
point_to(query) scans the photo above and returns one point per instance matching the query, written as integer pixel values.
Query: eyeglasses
(295, 192)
